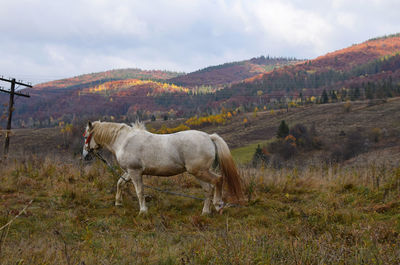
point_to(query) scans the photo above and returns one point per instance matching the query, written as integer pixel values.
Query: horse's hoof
(206, 213)
(221, 211)
(118, 204)
(143, 213)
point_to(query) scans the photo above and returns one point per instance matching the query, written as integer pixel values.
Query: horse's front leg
(136, 177)
(121, 182)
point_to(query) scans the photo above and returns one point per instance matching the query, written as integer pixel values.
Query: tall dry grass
(324, 214)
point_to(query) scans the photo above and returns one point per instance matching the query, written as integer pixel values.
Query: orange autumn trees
(117, 86)
(165, 130)
(210, 119)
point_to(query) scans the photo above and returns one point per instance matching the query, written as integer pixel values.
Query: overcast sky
(44, 40)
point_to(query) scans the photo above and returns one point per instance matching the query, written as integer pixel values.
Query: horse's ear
(90, 125)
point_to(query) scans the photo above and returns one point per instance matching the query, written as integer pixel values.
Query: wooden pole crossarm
(16, 82)
(15, 93)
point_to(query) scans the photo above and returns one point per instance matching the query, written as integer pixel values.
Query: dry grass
(314, 215)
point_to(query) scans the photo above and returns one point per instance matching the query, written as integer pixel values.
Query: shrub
(376, 134)
(347, 107)
(283, 130)
(337, 153)
(355, 143)
(285, 148)
(297, 139)
(260, 157)
(306, 138)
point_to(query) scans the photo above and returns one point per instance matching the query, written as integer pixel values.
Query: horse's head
(90, 144)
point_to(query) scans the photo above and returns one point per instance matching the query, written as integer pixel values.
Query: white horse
(140, 152)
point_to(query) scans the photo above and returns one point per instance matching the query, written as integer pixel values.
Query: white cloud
(54, 39)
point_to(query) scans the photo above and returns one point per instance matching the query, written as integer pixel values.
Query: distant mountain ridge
(232, 72)
(93, 79)
(373, 60)
(369, 70)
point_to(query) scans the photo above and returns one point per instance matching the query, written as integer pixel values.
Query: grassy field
(312, 215)
(243, 155)
(308, 212)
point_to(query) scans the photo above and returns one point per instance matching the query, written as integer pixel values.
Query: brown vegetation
(318, 214)
(308, 211)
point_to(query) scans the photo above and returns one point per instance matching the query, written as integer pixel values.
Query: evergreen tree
(283, 130)
(356, 94)
(344, 94)
(333, 96)
(258, 157)
(324, 97)
(369, 91)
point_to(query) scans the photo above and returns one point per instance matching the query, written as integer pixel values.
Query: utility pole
(11, 107)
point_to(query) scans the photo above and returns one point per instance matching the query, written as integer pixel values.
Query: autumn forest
(370, 70)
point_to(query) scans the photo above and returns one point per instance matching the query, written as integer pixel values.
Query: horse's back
(195, 147)
(168, 154)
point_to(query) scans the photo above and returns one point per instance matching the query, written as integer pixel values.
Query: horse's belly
(164, 171)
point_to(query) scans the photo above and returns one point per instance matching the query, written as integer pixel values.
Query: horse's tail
(228, 168)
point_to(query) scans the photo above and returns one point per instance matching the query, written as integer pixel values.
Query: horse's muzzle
(87, 156)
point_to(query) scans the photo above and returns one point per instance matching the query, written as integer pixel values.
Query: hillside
(121, 98)
(127, 87)
(89, 94)
(231, 72)
(126, 93)
(373, 65)
(370, 70)
(90, 80)
(329, 119)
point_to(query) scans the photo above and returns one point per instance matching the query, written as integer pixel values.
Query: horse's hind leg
(136, 177)
(208, 188)
(121, 182)
(212, 178)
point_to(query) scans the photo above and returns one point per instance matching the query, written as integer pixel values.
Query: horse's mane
(138, 125)
(106, 132)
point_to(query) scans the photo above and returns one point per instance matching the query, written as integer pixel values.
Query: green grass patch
(244, 154)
